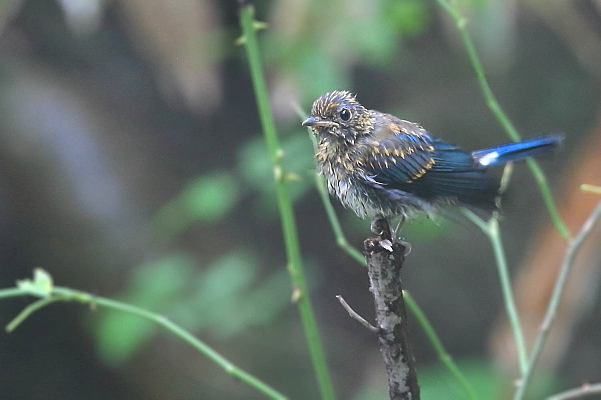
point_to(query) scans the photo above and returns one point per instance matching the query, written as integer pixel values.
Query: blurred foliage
(196, 299)
(169, 106)
(206, 199)
(320, 48)
(158, 286)
(436, 383)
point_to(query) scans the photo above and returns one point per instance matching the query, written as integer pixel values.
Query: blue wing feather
(437, 171)
(505, 153)
(433, 169)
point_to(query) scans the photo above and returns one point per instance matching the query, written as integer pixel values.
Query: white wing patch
(488, 158)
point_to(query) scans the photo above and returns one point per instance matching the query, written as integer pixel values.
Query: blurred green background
(133, 167)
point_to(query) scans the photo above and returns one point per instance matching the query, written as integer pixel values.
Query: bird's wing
(430, 168)
(396, 160)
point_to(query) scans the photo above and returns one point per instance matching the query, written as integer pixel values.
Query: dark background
(133, 167)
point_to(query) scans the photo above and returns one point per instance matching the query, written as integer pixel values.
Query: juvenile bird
(381, 166)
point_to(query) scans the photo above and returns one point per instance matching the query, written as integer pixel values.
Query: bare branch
(384, 265)
(356, 316)
(584, 390)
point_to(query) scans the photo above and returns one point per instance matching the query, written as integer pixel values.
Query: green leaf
(208, 199)
(119, 336)
(219, 291)
(40, 285)
(410, 17)
(227, 297)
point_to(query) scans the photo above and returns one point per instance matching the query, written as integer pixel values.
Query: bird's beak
(313, 121)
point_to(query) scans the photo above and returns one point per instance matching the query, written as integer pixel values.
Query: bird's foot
(406, 245)
(379, 226)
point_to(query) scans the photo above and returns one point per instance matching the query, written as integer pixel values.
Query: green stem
(495, 108)
(590, 188)
(10, 292)
(443, 355)
(66, 294)
(491, 229)
(510, 307)
(285, 205)
(558, 289)
(30, 309)
(541, 181)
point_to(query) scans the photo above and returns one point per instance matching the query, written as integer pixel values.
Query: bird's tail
(505, 153)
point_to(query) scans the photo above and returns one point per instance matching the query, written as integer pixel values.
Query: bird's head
(338, 115)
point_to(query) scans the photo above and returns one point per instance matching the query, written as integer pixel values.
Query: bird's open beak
(313, 121)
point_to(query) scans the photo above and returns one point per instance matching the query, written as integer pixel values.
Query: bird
(384, 167)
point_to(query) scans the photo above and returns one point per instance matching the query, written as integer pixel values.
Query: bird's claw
(406, 245)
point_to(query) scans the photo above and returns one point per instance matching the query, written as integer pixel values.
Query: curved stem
(558, 289)
(57, 294)
(491, 229)
(443, 355)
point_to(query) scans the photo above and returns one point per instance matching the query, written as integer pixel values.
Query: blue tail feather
(505, 153)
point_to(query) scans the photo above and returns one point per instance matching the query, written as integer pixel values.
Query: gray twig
(583, 391)
(356, 316)
(384, 267)
(553, 305)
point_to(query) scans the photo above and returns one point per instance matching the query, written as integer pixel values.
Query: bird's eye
(345, 114)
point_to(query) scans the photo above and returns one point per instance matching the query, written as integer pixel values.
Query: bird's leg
(399, 225)
(399, 239)
(380, 227)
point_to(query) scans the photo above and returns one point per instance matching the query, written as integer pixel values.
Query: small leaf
(41, 285)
